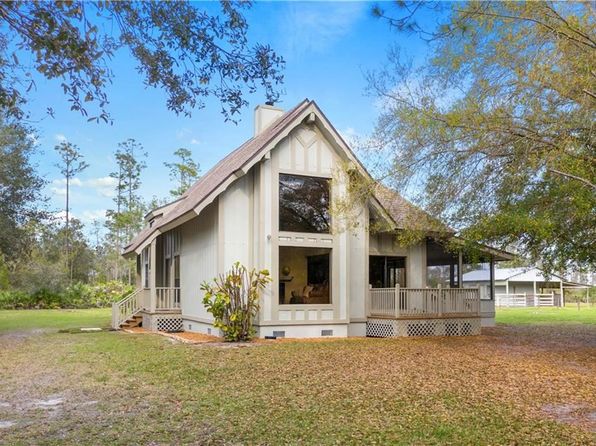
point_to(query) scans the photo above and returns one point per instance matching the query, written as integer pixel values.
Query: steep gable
(238, 162)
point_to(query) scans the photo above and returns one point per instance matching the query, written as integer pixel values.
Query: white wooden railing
(526, 300)
(418, 302)
(167, 298)
(126, 308)
(511, 300)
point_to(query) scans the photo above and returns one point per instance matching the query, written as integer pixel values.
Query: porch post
(397, 300)
(491, 268)
(367, 301)
(562, 299)
(535, 301)
(152, 275)
(460, 272)
(439, 300)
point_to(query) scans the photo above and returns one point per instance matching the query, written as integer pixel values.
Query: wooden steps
(133, 321)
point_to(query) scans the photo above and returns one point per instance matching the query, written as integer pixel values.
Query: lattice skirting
(387, 328)
(162, 322)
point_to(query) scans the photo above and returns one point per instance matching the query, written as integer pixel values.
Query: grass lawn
(14, 320)
(547, 315)
(524, 384)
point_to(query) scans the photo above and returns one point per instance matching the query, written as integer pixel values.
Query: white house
(268, 205)
(523, 286)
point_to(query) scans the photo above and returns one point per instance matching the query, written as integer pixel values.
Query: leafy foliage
(494, 132)
(189, 51)
(77, 295)
(184, 171)
(233, 300)
(20, 189)
(47, 266)
(127, 219)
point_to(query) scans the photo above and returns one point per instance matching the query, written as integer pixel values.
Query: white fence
(528, 300)
(418, 302)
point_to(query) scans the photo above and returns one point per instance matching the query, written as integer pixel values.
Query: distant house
(268, 205)
(524, 286)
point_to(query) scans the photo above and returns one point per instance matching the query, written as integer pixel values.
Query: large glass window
(304, 275)
(303, 204)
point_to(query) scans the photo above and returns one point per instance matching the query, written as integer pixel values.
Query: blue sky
(327, 47)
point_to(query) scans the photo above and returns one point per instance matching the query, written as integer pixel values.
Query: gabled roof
(520, 274)
(405, 214)
(218, 174)
(400, 212)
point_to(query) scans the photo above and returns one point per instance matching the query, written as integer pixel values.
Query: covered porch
(155, 304)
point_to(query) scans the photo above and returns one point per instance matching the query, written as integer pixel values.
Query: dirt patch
(576, 414)
(185, 337)
(22, 335)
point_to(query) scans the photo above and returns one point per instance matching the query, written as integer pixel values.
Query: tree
(71, 164)
(127, 219)
(185, 172)
(46, 266)
(187, 50)
(20, 189)
(494, 131)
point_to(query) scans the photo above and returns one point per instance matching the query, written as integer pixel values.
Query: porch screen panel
(387, 271)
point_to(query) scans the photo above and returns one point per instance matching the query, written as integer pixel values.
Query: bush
(78, 295)
(233, 301)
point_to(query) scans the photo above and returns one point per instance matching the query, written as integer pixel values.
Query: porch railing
(126, 308)
(419, 302)
(167, 298)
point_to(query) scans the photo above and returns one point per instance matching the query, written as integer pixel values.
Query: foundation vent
(279, 334)
(326, 332)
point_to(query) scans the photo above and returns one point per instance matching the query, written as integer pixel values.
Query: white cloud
(183, 133)
(61, 215)
(103, 186)
(316, 26)
(34, 138)
(62, 182)
(195, 141)
(101, 182)
(60, 191)
(59, 137)
(89, 216)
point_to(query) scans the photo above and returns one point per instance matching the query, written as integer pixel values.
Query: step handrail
(126, 308)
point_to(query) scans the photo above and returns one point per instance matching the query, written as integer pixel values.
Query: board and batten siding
(306, 152)
(235, 224)
(198, 261)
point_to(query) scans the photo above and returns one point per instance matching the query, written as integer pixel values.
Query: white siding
(358, 267)
(198, 260)
(235, 224)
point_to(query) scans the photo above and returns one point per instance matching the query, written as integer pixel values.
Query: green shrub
(78, 295)
(233, 300)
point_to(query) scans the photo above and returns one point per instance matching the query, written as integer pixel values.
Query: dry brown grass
(512, 385)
